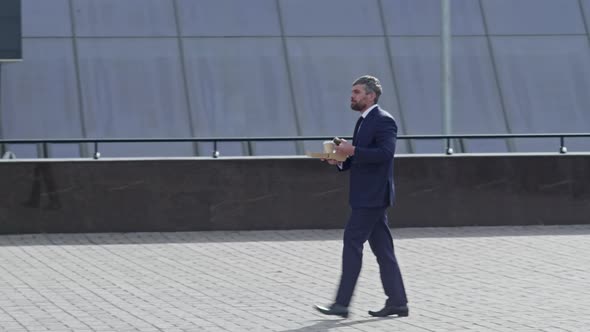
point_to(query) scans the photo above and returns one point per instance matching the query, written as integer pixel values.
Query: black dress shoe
(388, 310)
(335, 310)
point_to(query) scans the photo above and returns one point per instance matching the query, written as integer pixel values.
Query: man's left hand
(345, 148)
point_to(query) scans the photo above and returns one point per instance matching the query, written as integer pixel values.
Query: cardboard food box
(323, 155)
(328, 153)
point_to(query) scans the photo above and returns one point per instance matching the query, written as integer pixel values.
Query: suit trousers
(371, 225)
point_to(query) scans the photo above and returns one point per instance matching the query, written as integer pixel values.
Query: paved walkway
(458, 279)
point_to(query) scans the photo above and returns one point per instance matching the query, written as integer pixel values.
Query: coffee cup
(329, 147)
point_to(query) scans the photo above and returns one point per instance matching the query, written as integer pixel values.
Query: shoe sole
(401, 314)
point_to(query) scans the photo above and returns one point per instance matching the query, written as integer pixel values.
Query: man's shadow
(43, 173)
(327, 324)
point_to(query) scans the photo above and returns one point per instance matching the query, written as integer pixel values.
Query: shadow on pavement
(328, 324)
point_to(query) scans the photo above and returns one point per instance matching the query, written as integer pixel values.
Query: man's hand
(345, 148)
(331, 161)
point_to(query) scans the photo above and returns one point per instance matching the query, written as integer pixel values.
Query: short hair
(371, 84)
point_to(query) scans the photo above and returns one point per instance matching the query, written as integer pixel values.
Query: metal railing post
(562, 148)
(215, 151)
(96, 154)
(44, 150)
(449, 149)
(250, 148)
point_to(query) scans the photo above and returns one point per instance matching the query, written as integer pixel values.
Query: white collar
(366, 112)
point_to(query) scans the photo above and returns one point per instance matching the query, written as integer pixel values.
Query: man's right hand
(331, 161)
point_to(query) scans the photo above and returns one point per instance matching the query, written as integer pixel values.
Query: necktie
(356, 129)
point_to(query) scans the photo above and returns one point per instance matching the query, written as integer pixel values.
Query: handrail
(275, 138)
(216, 140)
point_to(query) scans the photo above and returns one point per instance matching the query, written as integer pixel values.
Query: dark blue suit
(371, 192)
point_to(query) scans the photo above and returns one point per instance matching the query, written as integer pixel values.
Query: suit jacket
(371, 167)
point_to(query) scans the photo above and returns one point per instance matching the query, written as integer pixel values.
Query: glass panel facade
(128, 18)
(46, 18)
(39, 96)
(423, 17)
(176, 68)
(240, 87)
(533, 17)
(476, 102)
(586, 12)
(228, 18)
(134, 88)
(545, 83)
(319, 18)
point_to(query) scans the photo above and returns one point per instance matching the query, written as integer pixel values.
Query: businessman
(370, 163)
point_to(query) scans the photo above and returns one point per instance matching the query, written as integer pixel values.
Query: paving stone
(533, 278)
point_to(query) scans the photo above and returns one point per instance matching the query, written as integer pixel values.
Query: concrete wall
(285, 193)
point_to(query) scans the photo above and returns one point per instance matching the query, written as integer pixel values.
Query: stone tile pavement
(458, 279)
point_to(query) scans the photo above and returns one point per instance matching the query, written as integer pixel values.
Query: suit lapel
(365, 128)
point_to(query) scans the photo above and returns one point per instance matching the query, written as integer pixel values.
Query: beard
(358, 106)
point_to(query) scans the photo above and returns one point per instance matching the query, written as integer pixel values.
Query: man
(370, 163)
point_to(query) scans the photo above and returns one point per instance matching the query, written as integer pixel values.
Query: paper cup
(329, 147)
